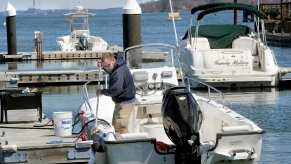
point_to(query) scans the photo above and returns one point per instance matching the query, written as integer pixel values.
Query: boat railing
(188, 80)
(85, 89)
(86, 95)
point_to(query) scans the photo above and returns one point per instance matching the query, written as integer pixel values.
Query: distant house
(276, 9)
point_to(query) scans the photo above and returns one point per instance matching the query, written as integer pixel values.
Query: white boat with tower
(80, 38)
(170, 123)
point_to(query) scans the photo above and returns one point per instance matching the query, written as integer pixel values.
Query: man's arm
(115, 87)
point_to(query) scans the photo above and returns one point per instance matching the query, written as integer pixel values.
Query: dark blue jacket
(121, 85)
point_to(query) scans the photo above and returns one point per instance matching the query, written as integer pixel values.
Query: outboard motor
(182, 119)
(83, 43)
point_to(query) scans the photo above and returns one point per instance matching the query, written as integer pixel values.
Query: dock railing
(190, 81)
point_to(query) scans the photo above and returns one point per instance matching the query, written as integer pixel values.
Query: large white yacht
(170, 123)
(80, 38)
(228, 55)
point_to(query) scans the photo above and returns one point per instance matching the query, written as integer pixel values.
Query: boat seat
(202, 43)
(245, 43)
(68, 48)
(65, 47)
(140, 76)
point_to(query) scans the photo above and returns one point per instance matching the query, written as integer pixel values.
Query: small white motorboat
(174, 15)
(80, 38)
(228, 55)
(170, 124)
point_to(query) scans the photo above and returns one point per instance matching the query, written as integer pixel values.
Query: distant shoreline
(32, 11)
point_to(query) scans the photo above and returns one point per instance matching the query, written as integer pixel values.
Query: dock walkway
(57, 76)
(54, 76)
(28, 142)
(279, 39)
(57, 55)
(285, 77)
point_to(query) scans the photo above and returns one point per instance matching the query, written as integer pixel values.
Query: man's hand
(99, 63)
(98, 92)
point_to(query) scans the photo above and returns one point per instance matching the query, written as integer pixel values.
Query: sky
(64, 4)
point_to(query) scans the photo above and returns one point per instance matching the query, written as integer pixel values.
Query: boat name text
(231, 63)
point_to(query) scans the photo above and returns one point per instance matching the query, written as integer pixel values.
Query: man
(121, 89)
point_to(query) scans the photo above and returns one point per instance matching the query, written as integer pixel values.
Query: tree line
(181, 5)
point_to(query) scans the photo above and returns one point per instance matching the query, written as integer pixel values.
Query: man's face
(108, 65)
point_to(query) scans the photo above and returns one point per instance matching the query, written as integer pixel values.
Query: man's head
(108, 61)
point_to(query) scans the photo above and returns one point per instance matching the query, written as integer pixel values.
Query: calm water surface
(269, 108)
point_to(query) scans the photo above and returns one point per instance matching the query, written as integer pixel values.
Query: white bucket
(63, 123)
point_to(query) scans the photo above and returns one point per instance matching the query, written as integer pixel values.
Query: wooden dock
(56, 76)
(57, 55)
(23, 140)
(278, 39)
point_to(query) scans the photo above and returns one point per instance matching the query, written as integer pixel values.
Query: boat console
(149, 81)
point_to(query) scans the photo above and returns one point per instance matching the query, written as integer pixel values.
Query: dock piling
(38, 45)
(131, 20)
(11, 29)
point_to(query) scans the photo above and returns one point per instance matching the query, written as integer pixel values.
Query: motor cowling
(182, 119)
(83, 43)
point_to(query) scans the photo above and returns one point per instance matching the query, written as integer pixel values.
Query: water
(269, 108)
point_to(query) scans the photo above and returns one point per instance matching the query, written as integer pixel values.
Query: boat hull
(238, 81)
(235, 138)
(66, 43)
(232, 137)
(133, 151)
(236, 148)
(144, 150)
(230, 68)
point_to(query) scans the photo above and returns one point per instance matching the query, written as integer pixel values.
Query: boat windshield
(151, 56)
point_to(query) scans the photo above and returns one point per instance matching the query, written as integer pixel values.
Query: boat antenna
(260, 22)
(174, 25)
(257, 24)
(97, 104)
(257, 21)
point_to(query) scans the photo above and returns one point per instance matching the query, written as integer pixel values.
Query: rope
(174, 25)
